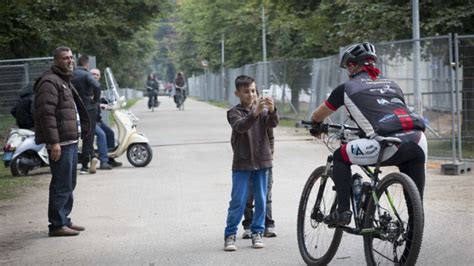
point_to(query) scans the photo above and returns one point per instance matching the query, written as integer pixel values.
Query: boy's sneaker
(84, 170)
(247, 234)
(93, 168)
(257, 241)
(269, 232)
(229, 244)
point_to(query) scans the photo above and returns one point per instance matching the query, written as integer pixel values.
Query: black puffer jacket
(55, 109)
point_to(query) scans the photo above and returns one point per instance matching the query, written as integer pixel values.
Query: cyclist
(180, 88)
(152, 87)
(377, 106)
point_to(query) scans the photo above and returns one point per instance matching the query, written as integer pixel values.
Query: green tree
(117, 34)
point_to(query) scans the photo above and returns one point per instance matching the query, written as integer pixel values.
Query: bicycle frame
(358, 212)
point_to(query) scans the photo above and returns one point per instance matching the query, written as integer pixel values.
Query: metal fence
(17, 73)
(446, 72)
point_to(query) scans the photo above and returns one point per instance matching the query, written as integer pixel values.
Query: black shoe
(337, 218)
(84, 170)
(105, 166)
(114, 163)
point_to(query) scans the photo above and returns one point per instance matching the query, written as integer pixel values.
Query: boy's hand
(259, 105)
(270, 104)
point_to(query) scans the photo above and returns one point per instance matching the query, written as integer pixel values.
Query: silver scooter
(22, 154)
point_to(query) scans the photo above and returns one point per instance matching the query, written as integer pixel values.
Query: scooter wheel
(15, 168)
(139, 154)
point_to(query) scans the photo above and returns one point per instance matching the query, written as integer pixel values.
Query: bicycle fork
(317, 214)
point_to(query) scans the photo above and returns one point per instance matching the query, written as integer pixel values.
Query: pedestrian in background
(105, 137)
(89, 90)
(179, 84)
(251, 160)
(152, 88)
(60, 118)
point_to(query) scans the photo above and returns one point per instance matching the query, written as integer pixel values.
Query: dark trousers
(152, 99)
(88, 141)
(248, 213)
(62, 185)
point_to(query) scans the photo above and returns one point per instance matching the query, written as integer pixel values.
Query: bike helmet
(358, 53)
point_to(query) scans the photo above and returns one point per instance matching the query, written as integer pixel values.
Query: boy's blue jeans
(238, 200)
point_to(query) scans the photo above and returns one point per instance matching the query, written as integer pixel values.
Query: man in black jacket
(89, 90)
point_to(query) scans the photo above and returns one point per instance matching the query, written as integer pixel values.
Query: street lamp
(205, 65)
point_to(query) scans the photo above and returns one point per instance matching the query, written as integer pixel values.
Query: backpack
(24, 109)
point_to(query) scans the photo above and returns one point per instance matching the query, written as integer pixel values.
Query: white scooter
(139, 152)
(22, 154)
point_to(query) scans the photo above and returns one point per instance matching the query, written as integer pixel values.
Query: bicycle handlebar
(324, 127)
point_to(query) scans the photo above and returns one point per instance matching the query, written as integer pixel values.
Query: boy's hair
(243, 81)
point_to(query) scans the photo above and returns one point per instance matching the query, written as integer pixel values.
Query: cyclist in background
(152, 87)
(180, 88)
(377, 105)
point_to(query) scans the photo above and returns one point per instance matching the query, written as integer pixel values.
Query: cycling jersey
(377, 106)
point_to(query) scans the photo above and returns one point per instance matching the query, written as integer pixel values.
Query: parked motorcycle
(135, 144)
(22, 154)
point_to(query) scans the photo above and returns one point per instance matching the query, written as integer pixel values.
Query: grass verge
(9, 185)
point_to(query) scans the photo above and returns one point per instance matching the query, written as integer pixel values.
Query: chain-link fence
(18, 73)
(299, 86)
(14, 76)
(464, 94)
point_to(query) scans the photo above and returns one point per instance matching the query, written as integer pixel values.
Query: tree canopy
(138, 37)
(118, 33)
(302, 29)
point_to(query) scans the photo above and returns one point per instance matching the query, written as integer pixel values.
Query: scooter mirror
(122, 101)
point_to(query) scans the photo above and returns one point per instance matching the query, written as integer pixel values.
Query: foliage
(302, 29)
(117, 34)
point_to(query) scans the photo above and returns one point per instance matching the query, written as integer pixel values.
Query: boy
(252, 157)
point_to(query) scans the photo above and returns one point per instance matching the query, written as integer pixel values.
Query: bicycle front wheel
(395, 213)
(316, 241)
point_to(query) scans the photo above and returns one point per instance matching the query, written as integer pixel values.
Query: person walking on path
(251, 160)
(60, 118)
(89, 90)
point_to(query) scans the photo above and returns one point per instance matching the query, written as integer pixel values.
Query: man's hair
(83, 60)
(243, 81)
(59, 50)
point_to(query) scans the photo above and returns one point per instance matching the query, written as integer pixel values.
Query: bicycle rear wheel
(316, 241)
(398, 221)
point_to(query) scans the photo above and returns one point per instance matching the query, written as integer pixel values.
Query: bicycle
(389, 214)
(180, 98)
(152, 99)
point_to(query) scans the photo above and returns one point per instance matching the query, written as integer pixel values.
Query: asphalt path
(173, 211)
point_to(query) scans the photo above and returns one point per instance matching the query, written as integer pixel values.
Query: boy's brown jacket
(249, 140)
